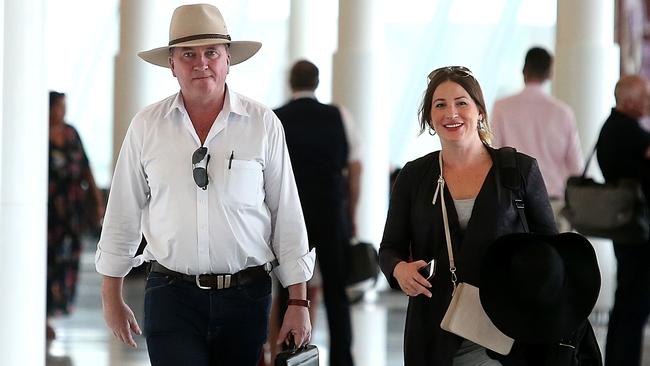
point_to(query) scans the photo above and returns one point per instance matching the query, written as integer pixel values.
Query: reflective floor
(82, 338)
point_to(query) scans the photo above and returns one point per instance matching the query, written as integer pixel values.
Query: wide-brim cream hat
(199, 25)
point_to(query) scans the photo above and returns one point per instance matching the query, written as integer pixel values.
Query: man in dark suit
(319, 151)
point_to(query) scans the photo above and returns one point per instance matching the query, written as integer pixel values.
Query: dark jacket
(317, 146)
(414, 231)
(622, 144)
(318, 149)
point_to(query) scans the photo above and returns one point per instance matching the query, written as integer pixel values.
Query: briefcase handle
(292, 345)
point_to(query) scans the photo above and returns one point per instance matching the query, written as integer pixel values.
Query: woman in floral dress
(75, 204)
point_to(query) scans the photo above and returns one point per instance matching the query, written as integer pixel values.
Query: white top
(464, 209)
(249, 211)
(351, 130)
(543, 127)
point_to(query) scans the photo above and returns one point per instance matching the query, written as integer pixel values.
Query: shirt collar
(232, 104)
(177, 104)
(535, 87)
(303, 94)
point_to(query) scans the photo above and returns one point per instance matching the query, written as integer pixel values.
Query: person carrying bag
(481, 204)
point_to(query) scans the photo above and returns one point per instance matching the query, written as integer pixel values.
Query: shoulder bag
(465, 316)
(616, 211)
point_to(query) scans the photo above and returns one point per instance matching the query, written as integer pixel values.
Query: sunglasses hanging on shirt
(200, 173)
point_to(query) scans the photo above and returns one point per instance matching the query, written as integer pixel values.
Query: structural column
(586, 63)
(143, 25)
(299, 29)
(23, 183)
(357, 85)
(298, 47)
(586, 70)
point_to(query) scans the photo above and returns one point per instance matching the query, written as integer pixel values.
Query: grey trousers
(471, 354)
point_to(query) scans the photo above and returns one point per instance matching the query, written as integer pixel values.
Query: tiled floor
(82, 338)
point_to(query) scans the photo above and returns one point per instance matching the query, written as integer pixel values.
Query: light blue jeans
(471, 354)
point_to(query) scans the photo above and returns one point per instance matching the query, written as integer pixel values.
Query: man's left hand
(296, 322)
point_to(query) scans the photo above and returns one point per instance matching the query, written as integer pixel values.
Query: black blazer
(318, 149)
(414, 231)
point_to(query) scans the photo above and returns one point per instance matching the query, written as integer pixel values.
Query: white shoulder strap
(440, 191)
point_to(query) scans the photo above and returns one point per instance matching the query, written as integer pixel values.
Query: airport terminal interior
(374, 57)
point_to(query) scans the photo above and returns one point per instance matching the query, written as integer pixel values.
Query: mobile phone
(429, 270)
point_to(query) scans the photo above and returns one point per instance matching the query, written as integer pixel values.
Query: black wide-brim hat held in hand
(539, 288)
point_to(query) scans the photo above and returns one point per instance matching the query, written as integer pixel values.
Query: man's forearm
(298, 291)
(112, 288)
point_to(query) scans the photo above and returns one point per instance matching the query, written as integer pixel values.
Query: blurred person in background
(75, 205)
(624, 152)
(320, 144)
(541, 126)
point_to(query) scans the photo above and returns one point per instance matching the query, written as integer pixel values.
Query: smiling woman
(478, 209)
(453, 91)
(453, 112)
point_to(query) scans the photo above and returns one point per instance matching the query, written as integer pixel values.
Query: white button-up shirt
(248, 215)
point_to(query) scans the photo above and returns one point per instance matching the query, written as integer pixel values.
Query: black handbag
(306, 355)
(616, 211)
(362, 262)
(362, 270)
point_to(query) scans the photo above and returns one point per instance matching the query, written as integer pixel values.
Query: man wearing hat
(205, 175)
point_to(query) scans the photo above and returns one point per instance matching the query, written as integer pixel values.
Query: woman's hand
(410, 281)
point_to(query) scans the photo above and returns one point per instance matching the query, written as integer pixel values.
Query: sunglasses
(199, 173)
(461, 71)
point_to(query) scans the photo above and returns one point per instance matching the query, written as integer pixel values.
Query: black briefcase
(304, 356)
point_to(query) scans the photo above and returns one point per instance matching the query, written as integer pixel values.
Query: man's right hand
(117, 314)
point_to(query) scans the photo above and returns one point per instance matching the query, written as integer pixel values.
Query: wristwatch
(299, 302)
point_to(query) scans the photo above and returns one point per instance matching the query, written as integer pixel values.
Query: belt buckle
(223, 281)
(198, 283)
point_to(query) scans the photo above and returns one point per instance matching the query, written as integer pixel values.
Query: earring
(432, 131)
(481, 124)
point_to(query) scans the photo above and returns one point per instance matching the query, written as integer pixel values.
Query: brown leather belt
(218, 281)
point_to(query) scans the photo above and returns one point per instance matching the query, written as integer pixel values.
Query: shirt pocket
(243, 182)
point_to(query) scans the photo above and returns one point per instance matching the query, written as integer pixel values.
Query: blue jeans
(186, 325)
